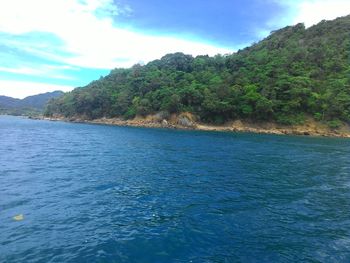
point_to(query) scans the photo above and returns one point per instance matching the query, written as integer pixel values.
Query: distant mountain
(39, 101)
(8, 102)
(31, 104)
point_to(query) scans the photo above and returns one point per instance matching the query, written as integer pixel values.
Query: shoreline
(182, 122)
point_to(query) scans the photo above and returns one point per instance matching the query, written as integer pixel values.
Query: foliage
(334, 124)
(293, 73)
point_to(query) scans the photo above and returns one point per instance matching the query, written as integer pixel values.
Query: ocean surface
(94, 193)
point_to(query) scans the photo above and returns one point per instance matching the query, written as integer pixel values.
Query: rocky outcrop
(165, 123)
(189, 121)
(186, 120)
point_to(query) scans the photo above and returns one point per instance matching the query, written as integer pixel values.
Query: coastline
(186, 121)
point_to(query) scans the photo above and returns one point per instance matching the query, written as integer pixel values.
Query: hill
(293, 75)
(31, 104)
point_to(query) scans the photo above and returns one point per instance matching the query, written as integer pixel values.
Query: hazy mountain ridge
(35, 103)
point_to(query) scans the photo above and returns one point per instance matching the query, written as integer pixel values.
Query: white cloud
(22, 89)
(47, 71)
(311, 12)
(21, 70)
(93, 39)
(76, 33)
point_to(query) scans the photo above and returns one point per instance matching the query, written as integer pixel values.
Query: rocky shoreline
(187, 121)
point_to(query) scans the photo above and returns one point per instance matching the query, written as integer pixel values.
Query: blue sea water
(94, 193)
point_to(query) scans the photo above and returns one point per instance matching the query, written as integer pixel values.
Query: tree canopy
(293, 73)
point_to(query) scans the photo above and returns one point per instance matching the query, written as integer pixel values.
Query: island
(295, 81)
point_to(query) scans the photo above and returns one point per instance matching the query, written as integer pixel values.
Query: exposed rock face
(188, 121)
(162, 115)
(165, 123)
(184, 121)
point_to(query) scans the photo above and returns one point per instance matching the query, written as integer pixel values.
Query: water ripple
(111, 194)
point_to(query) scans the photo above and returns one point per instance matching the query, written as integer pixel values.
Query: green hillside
(292, 74)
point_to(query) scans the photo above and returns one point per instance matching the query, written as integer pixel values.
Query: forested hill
(292, 74)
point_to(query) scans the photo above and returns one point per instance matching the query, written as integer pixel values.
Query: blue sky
(224, 23)
(62, 44)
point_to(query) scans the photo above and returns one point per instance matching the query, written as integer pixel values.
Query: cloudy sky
(48, 45)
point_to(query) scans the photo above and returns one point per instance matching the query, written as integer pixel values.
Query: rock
(160, 116)
(237, 123)
(165, 123)
(184, 121)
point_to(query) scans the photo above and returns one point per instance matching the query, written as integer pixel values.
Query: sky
(48, 45)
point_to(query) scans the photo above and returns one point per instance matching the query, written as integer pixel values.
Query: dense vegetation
(32, 105)
(293, 73)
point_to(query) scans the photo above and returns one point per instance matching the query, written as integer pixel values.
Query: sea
(97, 193)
